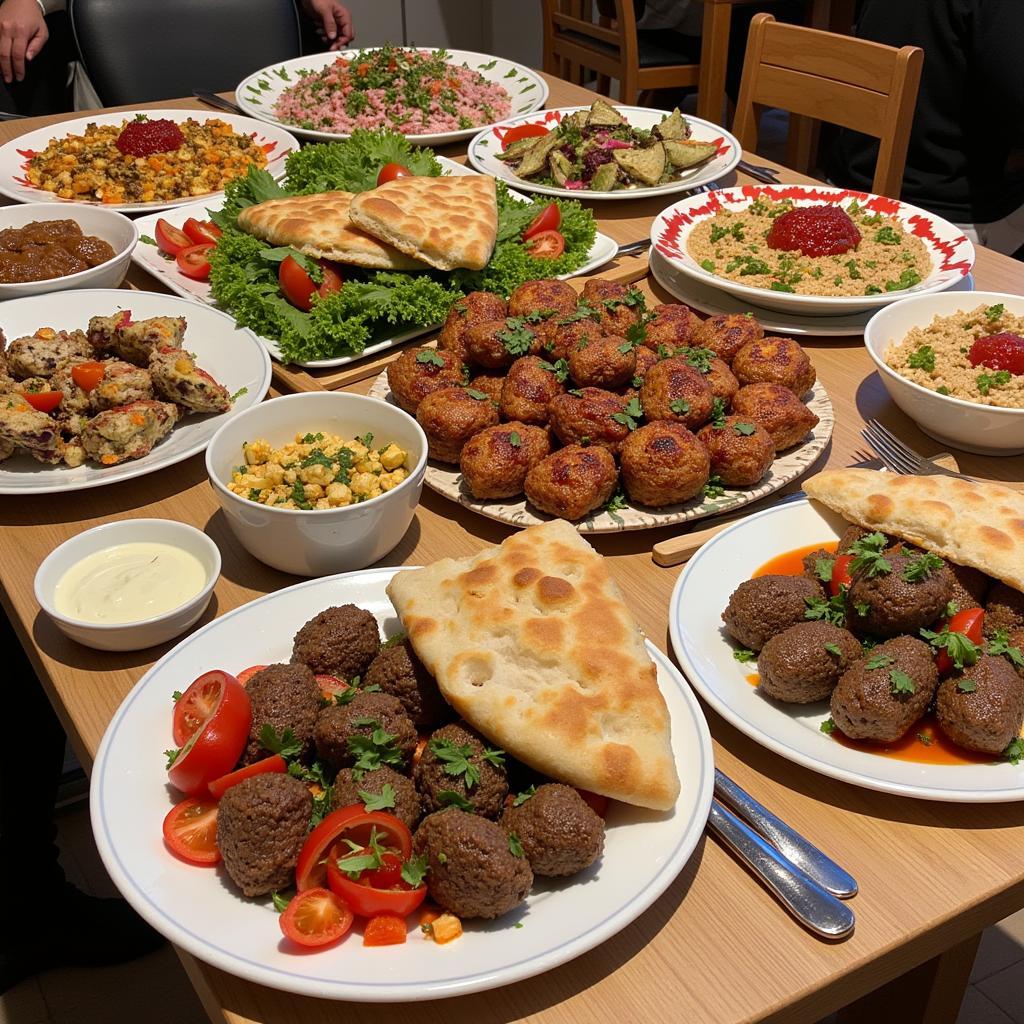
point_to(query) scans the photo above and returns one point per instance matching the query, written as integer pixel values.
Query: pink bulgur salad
(416, 92)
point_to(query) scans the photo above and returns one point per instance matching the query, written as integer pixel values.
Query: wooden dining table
(715, 947)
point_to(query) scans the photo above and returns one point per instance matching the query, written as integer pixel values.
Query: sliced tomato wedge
(201, 231)
(366, 899)
(88, 375)
(274, 763)
(549, 219)
(391, 171)
(969, 623)
(522, 131)
(385, 930)
(247, 673)
(170, 239)
(840, 574)
(43, 401)
(315, 918)
(331, 686)
(547, 245)
(190, 831)
(193, 262)
(332, 281)
(298, 287)
(196, 705)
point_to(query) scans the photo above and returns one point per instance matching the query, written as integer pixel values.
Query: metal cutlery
(769, 175)
(899, 457)
(213, 100)
(631, 248)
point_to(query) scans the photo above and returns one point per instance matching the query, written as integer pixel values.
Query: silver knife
(628, 248)
(213, 100)
(766, 174)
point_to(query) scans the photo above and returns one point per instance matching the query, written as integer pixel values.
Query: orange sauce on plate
(790, 563)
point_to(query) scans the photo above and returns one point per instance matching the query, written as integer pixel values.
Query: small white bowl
(983, 429)
(113, 227)
(319, 542)
(128, 636)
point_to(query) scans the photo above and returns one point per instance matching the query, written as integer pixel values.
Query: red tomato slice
(367, 900)
(384, 930)
(298, 286)
(87, 375)
(190, 831)
(332, 281)
(969, 623)
(315, 918)
(548, 245)
(840, 574)
(196, 705)
(331, 686)
(522, 131)
(201, 231)
(247, 673)
(43, 401)
(192, 262)
(170, 239)
(549, 219)
(391, 171)
(274, 763)
(387, 876)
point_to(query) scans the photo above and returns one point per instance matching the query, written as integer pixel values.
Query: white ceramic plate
(791, 464)
(695, 625)
(483, 148)
(231, 354)
(149, 257)
(951, 252)
(198, 908)
(14, 155)
(258, 93)
(710, 300)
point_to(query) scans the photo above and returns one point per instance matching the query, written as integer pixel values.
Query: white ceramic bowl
(113, 227)
(319, 542)
(983, 429)
(129, 636)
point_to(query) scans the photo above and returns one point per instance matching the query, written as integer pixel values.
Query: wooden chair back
(854, 83)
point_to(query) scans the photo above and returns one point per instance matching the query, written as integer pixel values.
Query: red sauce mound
(815, 231)
(143, 138)
(1003, 351)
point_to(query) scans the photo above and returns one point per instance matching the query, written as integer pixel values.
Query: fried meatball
(490, 384)
(1004, 609)
(887, 604)
(572, 482)
(741, 451)
(337, 724)
(530, 386)
(340, 641)
(558, 336)
(766, 605)
(482, 780)
(671, 326)
(874, 700)
(776, 409)
(471, 870)
(663, 463)
(560, 833)
(810, 564)
(982, 708)
(128, 431)
(589, 416)
(400, 673)
(283, 697)
(969, 586)
(774, 360)
(725, 335)
(475, 308)
(418, 372)
(801, 665)
(617, 305)
(450, 417)
(674, 390)
(607, 362)
(347, 789)
(495, 462)
(39, 354)
(722, 381)
(541, 296)
(645, 359)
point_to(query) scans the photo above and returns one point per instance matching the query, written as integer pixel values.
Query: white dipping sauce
(129, 583)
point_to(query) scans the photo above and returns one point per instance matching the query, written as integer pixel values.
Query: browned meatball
(337, 725)
(482, 781)
(285, 697)
(558, 336)
(645, 359)
(339, 641)
(674, 390)
(1004, 609)
(889, 603)
(496, 344)
(450, 417)
(722, 381)
(671, 326)
(983, 707)
(572, 482)
(663, 463)
(530, 386)
(399, 672)
(776, 409)
(741, 451)
(475, 308)
(803, 663)
(419, 371)
(607, 362)
(969, 586)
(589, 416)
(495, 462)
(352, 787)
(726, 335)
(490, 384)
(775, 361)
(618, 306)
(541, 296)
(760, 608)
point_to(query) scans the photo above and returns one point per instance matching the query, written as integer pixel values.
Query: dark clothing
(45, 88)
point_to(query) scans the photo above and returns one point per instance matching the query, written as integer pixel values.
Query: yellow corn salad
(318, 471)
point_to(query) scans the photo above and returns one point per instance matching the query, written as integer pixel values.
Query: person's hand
(23, 34)
(334, 23)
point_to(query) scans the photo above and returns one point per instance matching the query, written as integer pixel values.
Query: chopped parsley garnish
(743, 655)
(923, 737)
(993, 313)
(378, 801)
(714, 487)
(518, 338)
(176, 696)
(862, 608)
(887, 236)
(280, 903)
(867, 552)
(833, 610)
(834, 649)
(514, 439)
(922, 358)
(456, 758)
(478, 396)
(286, 744)
(962, 651)
(746, 429)
(922, 567)
(449, 798)
(414, 870)
(879, 661)
(1015, 751)
(823, 569)
(718, 413)
(521, 798)
(172, 756)
(370, 752)
(680, 406)
(515, 847)
(430, 357)
(828, 727)
(366, 440)
(965, 685)
(987, 381)
(907, 279)
(312, 438)
(901, 682)
(560, 369)
(1000, 644)
(394, 641)
(631, 412)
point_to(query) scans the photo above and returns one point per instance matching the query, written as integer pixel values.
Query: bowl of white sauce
(130, 584)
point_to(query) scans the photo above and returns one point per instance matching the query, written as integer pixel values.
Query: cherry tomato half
(969, 623)
(196, 705)
(840, 574)
(170, 239)
(389, 172)
(247, 673)
(368, 900)
(331, 686)
(87, 375)
(298, 286)
(43, 401)
(314, 918)
(549, 219)
(190, 831)
(274, 763)
(548, 245)
(522, 131)
(192, 262)
(201, 231)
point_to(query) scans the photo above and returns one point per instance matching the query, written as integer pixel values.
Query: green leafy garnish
(924, 738)
(987, 381)
(746, 429)
(993, 313)
(478, 396)
(172, 756)
(456, 759)
(742, 655)
(284, 744)
(370, 752)
(515, 847)
(922, 567)
(901, 682)
(176, 696)
(867, 552)
(1000, 644)
(887, 236)
(713, 488)
(833, 610)
(414, 870)
(147, 240)
(680, 406)
(449, 798)
(879, 661)
(521, 798)
(631, 412)
(922, 358)
(517, 338)
(366, 440)
(834, 649)
(378, 801)
(560, 369)
(962, 650)
(1015, 751)
(280, 903)
(718, 413)
(823, 569)
(429, 357)
(828, 726)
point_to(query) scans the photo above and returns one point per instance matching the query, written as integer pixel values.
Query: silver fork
(899, 457)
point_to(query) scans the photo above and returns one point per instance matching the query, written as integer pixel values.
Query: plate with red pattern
(811, 250)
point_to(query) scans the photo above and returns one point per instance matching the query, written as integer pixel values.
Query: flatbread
(446, 222)
(319, 225)
(532, 643)
(980, 525)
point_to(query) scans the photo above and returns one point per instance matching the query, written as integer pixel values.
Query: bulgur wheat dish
(318, 471)
(825, 249)
(976, 355)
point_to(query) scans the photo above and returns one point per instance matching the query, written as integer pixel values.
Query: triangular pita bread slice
(446, 222)
(319, 225)
(532, 643)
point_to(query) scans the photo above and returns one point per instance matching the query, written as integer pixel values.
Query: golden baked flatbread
(970, 523)
(532, 643)
(319, 225)
(446, 222)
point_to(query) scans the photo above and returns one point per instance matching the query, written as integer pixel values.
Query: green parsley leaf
(366, 440)
(370, 752)
(951, 609)
(901, 682)
(718, 413)
(962, 650)
(742, 655)
(479, 396)
(746, 429)
(922, 358)
(922, 567)
(515, 847)
(867, 552)
(414, 870)
(284, 744)
(965, 685)
(176, 696)
(713, 488)
(494, 757)
(456, 760)
(679, 406)
(828, 727)
(560, 369)
(429, 357)
(887, 236)
(1000, 644)
(521, 798)
(449, 798)
(517, 338)
(631, 412)
(1015, 751)
(834, 649)
(442, 858)
(862, 608)
(312, 438)
(823, 569)
(280, 903)
(833, 610)
(172, 756)
(987, 381)
(995, 312)
(147, 240)
(924, 738)
(378, 801)
(879, 661)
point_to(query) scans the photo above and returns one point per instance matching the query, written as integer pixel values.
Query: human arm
(23, 34)
(333, 22)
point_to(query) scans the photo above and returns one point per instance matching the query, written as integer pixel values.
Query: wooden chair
(854, 83)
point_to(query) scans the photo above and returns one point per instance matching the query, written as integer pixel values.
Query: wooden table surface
(715, 947)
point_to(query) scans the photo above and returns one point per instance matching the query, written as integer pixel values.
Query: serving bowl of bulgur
(812, 250)
(315, 484)
(948, 362)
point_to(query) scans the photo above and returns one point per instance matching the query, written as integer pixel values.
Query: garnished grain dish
(318, 471)
(810, 250)
(976, 354)
(143, 161)
(46, 249)
(414, 91)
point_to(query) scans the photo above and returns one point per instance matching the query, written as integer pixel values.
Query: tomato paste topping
(144, 138)
(815, 231)
(1003, 351)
